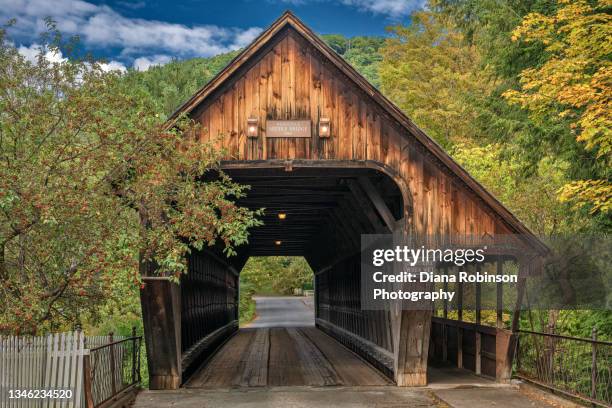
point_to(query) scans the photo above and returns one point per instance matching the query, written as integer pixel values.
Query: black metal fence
(577, 367)
(111, 369)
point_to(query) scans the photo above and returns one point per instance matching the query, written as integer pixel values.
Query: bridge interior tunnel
(192, 331)
(320, 214)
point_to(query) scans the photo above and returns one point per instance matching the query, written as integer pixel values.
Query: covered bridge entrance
(329, 158)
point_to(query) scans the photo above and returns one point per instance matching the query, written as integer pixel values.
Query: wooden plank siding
(292, 80)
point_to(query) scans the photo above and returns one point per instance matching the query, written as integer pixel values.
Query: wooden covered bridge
(322, 146)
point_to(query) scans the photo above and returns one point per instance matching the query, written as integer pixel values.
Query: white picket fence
(42, 364)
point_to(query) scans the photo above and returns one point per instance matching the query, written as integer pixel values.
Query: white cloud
(32, 52)
(144, 63)
(113, 66)
(245, 37)
(101, 26)
(392, 8)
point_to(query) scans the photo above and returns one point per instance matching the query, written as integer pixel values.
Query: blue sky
(137, 33)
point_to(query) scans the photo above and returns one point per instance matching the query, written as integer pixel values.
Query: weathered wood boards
(160, 300)
(285, 357)
(289, 79)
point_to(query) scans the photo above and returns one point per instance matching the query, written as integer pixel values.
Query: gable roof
(289, 19)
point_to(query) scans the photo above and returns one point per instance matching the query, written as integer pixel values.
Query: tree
(91, 183)
(434, 76)
(361, 52)
(276, 274)
(532, 199)
(574, 82)
(170, 85)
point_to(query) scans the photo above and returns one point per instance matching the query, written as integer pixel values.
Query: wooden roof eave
(288, 18)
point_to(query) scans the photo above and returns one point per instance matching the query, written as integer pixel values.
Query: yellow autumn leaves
(575, 82)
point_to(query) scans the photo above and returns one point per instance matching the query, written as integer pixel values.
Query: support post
(500, 296)
(412, 347)
(477, 335)
(134, 355)
(444, 326)
(459, 329)
(594, 364)
(506, 340)
(161, 315)
(87, 383)
(113, 366)
(445, 311)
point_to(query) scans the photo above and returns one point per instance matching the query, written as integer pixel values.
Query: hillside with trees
(172, 84)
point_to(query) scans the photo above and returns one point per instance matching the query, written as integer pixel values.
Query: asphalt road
(283, 311)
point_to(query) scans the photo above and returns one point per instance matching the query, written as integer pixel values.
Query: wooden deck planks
(350, 369)
(223, 368)
(255, 372)
(285, 367)
(284, 357)
(316, 368)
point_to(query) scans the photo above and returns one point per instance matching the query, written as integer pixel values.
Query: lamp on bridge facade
(252, 127)
(324, 127)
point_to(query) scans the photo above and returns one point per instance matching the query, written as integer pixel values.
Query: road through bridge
(282, 347)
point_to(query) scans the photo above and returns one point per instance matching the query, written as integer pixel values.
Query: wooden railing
(485, 350)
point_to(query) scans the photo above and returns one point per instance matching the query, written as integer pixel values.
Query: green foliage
(546, 58)
(434, 76)
(276, 274)
(573, 83)
(169, 85)
(247, 303)
(361, 52)
(90, 183)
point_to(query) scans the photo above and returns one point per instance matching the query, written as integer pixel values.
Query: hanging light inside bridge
(278, 242)
(282, 216)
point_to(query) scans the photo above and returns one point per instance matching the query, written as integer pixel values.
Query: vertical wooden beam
(505, 340)
(478, 339)
(500, 296)
(161, 315)
(412, 347)
(459, 301)
(111, 361)
(478, 302)
(444, 327)
(87, 382)
(445, 311)
(478, 352)
(519, 301)
(459, 329)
